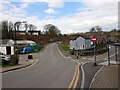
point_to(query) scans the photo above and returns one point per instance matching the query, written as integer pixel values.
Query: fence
(114, 53)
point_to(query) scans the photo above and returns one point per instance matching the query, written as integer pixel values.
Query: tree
(32, 27)
(96, 30)
(26, 27)
(4, 29)
(51, 30)
(10, 31)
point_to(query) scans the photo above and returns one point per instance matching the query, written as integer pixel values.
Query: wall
(80, 43)
(3, 50)
(87, 44)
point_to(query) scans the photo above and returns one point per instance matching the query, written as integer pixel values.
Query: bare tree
(32, 28)
(26, 27)
(17, 25)
(97, 31)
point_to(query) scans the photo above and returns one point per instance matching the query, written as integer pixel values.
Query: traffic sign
(94, 39)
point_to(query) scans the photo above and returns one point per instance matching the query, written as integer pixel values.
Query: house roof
(6, 42)
(76, 36)
(25, 42)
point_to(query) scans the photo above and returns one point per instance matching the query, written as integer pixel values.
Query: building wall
(72, 44)
(80, 43)
(87, 44)
(4, 51)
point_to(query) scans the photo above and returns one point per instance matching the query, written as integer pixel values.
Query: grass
(65, 47)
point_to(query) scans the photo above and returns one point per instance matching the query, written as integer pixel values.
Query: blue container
(27, 49)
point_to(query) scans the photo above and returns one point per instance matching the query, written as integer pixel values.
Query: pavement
(107, 77)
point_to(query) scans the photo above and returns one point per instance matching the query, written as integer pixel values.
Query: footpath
(23, 61)
(107, 77)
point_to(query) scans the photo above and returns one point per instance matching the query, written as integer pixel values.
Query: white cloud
(102, 13)
(50, 11)
(24, 5)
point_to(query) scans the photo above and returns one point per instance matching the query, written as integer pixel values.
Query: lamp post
(16, 28)
(16, 25)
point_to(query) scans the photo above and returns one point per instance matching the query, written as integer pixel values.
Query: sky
(70, 16)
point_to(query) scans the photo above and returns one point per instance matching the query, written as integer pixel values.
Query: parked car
(4, 59)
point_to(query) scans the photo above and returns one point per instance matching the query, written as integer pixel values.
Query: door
(8, 50)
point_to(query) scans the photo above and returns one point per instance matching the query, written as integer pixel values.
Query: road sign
(94, 39)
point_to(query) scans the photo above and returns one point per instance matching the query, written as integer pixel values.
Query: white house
(80, 43)
(7, 46)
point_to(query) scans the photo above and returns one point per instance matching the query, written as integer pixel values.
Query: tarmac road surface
(51, 71)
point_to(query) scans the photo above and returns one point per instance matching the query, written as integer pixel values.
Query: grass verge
(65, 47)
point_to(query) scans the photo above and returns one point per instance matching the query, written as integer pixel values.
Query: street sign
(94, 39)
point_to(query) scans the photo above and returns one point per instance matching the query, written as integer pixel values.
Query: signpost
(94, 40)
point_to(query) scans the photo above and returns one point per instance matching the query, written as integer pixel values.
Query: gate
(114, 53)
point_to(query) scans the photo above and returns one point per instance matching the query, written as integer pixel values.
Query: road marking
(70, 86)
(36, 60)
(76, 75)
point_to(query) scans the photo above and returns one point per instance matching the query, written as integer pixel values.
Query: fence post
(108, 55)
(116, 52)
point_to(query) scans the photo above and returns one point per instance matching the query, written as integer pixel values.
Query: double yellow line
(75, 79)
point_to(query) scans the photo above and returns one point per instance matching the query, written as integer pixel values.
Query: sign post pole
(95, 54)
(94, 40)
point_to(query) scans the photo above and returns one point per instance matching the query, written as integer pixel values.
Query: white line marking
(95, 77)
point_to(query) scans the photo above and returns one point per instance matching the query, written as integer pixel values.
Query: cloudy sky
(70, 16)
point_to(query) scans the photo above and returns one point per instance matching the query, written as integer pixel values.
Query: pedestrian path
(111, 62)
(22, 64)
(107, 77)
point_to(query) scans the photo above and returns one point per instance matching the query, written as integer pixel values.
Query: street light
(16, 28)
(16, 25)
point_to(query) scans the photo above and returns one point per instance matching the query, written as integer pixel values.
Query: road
(51, 71)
